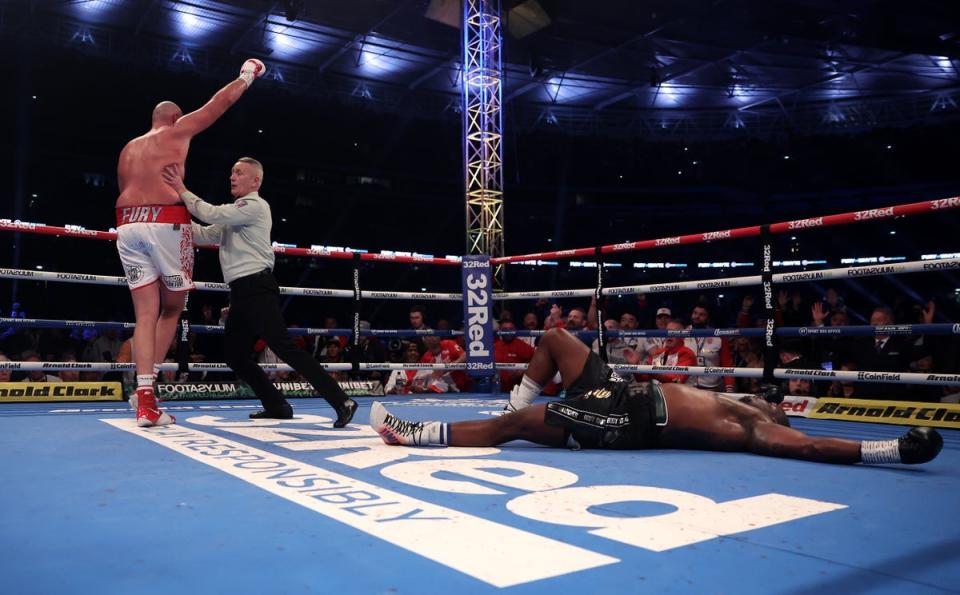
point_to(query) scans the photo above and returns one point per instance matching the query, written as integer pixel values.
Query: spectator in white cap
(651, 344)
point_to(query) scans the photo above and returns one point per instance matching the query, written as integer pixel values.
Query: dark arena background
(632, 156)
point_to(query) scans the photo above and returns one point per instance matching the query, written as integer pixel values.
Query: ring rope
(908, 209)
(752, 280)
(781, 373)
(26, 274)
(917, 208)
(898, 268)
(39, 228)
(939, 329)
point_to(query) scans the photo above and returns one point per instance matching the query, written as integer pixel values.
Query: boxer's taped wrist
(247, 78)
(878, 452)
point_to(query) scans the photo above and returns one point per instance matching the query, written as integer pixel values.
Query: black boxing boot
(919, 445)
(345, 413)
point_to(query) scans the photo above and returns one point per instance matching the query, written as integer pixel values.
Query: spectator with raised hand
(818, 314)
(555, 319)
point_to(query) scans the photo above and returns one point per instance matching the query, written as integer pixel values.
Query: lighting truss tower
(482, 124)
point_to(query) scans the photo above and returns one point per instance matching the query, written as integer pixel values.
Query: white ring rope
(780, 278)
(25, 274)
(782, 373)
(752, 280)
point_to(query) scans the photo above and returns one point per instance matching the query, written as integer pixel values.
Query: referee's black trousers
(255, 313)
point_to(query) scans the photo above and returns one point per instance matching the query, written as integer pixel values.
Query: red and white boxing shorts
(155, 242)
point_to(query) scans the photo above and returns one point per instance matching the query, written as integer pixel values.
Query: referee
(242, 230)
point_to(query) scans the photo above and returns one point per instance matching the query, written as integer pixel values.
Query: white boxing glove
(252, 69)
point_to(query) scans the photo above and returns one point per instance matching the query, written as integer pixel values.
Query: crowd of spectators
(880, 353)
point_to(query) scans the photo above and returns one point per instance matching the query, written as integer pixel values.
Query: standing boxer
(153, 231)
(242, 230)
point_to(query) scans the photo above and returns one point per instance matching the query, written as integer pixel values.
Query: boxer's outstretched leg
(527, 424)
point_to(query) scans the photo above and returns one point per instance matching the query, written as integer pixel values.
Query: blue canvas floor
(221, 504)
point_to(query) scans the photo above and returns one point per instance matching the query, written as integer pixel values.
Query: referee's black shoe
(345, 413)
(284, 412)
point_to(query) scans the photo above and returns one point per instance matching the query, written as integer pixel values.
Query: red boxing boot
(148, 414)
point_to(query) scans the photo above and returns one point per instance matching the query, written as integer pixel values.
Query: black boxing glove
(771, 393)
(919, 445)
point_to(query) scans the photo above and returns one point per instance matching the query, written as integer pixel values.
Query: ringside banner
(939, 415)
(199, 391)
(477, 313)
(48, 392)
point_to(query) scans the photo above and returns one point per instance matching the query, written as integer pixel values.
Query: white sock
(144, 380)
(878, 452)
(434, 432)
(524, 393)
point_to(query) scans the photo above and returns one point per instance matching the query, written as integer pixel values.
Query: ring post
(355, 338)
(598, 294)
(477, 280)
(770, 355)
(183, 337)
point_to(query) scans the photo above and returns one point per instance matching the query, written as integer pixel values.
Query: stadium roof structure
(690, 68)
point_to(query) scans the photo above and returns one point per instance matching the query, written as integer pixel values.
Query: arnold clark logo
(412, 520)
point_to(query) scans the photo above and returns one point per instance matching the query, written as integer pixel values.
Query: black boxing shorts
(600, 411)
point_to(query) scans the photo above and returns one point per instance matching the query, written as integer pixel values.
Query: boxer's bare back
(141, 162)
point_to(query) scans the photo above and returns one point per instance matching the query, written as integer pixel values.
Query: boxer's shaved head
(166, 112)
